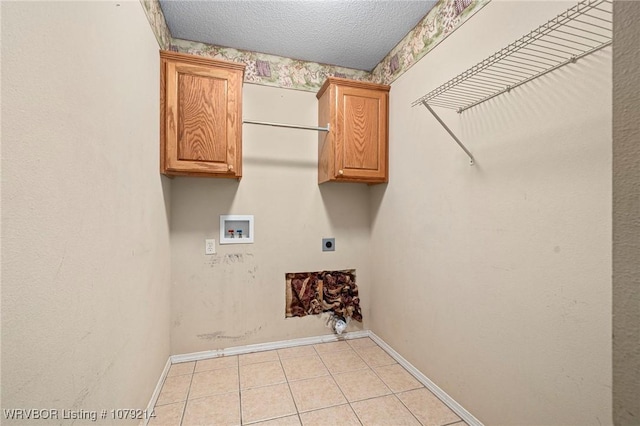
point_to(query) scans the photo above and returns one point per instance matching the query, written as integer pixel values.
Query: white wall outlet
(209, 246)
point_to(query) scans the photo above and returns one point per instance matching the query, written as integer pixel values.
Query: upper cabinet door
(356, 147)
(361, 133)
(201, 116)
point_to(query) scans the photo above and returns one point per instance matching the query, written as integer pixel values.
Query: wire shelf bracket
(573, 34)
(472, 160)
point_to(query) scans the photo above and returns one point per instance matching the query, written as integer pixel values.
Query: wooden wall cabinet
(201, 116)
(355, 149)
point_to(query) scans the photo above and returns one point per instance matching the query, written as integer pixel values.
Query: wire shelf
(577, 32)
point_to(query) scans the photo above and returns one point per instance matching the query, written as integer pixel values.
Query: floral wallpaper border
(271, 70)
(158, 24)
(445, 17)
(278, 71)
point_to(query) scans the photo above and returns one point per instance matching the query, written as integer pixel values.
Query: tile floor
(352, 382)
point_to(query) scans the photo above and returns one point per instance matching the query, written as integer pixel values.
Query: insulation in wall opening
(312, 293)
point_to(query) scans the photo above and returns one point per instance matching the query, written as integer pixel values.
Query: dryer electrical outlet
(328, 244)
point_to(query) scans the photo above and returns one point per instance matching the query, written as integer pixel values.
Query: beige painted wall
(626, 214)
(500, 289)
(237, 296)
(85, 240)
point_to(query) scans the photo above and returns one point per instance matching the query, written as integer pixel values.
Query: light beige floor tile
(174, 389)
(214, 382)
(216, 363)
(257, 357)
(374, 356)
(362, 384)
(397, 378)
(266, 403)
(342, 415)
(167, 415)
(212, 388)
(386, 410)
(262, 374)
(282, 421)
(428, 408)
(313, 394)
(296, 351)
(364, 342)
(304, 368)
(221, 409)
(331, 347)
(181, 369)
(339, 362)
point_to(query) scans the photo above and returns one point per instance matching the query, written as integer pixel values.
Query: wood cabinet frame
(200, 116)
(356, 147)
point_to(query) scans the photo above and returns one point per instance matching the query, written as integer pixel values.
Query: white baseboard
(239, 350)
(156, 392)
(442, 395)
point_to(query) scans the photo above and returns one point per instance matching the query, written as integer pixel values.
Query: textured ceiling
(350, 33)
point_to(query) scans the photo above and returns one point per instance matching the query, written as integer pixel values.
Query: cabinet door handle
(230, 167)
(340, 172)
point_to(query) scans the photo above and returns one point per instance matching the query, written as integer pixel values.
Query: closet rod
(291, 126)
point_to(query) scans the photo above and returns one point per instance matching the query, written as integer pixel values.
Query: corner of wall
(626, 223)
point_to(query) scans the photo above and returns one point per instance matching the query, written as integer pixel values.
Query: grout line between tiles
(286, 377)
(186, 401)
(267, 420)
(213, 368)
(394, 393)
(239, 390)
(268, 384)
(408, 409)
(294, 356)
(339, 388)
(253, 363)
(453, 423)
(375, 372)
(289, 386)
(356, 413)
